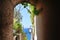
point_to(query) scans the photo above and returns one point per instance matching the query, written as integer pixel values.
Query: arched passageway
(6, 12)
(24, 16)
(39, 21)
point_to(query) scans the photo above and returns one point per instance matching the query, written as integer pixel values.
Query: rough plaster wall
(45, 21)
(41, 21)
(6, 20)
(15, 2)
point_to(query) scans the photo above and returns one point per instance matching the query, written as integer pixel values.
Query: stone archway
(6, 12)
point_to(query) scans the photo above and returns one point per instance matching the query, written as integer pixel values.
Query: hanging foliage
(24, 4)
(36, 12)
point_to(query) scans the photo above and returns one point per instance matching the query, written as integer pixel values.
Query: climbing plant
(17, 25)
(35, 11)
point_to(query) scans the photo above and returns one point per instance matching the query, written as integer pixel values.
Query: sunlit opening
(23, 25)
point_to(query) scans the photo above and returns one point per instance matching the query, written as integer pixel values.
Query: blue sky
(26, 21)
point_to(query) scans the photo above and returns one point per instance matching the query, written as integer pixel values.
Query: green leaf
(36, 12)
(25, 4)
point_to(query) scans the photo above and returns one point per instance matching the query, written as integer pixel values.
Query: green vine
(25, 4)
(36, 12)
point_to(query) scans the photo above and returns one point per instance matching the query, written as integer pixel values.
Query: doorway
(23, 22)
